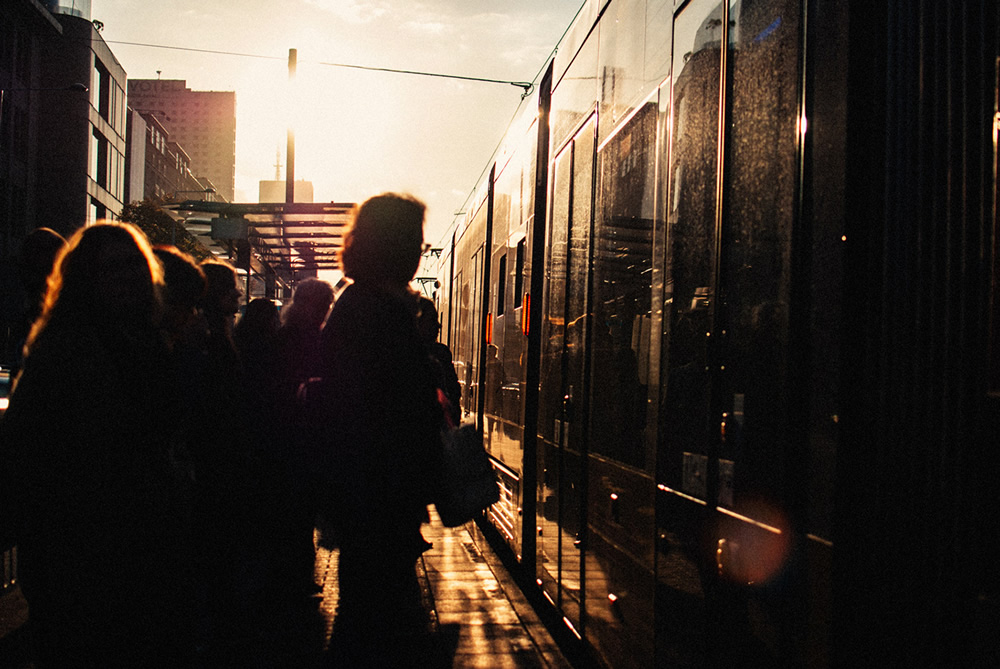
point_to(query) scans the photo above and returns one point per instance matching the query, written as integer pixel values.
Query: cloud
(435, 28)
(353, 11)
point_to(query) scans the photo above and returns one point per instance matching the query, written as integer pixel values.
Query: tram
(725, 308)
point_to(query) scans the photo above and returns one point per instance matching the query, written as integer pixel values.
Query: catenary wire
(521, 84)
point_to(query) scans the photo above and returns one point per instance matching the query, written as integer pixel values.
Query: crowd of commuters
(163, 461)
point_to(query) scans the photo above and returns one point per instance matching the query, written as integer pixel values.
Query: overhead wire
(215, 52)
(456, 216)
(520, 84)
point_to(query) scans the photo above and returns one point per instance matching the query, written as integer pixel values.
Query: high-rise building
(203, 122)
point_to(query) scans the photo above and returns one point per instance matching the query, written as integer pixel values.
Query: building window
(117, 178)
(117, 107)
(94, 150)
(96, 211)
(99, 159)
(101, 91)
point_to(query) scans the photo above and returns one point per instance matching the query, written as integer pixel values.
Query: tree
(160, 228)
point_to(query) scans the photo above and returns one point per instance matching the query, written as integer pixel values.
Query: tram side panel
(498, 328)
(612, 483)
(634, 75)
(689, 420)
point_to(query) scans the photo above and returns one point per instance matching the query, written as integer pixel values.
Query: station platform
(478, 617)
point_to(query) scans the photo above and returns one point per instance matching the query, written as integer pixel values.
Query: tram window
(501, 284)
(623, 254)
(621, 54)
(574, 96)
(691, 254)
(554, 305)
(519, 275)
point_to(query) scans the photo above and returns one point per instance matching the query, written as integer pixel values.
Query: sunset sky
(359, 132)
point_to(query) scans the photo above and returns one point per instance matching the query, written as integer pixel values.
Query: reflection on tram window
(690, 273)
(759, 204)
(623, 245)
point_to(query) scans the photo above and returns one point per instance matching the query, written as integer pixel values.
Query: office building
(63, 119)
(62, 128)
(203, 122)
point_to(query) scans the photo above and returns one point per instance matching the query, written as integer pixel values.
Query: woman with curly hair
(100, 509)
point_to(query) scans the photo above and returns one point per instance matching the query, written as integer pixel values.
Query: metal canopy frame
(288, 237)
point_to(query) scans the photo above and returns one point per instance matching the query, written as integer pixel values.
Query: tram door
(762, 451)
(562, 395)
(683, 505)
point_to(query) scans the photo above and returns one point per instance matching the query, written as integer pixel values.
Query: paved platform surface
(478, 618)
(477, 614)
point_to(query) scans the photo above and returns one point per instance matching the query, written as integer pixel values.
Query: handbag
(468, 481)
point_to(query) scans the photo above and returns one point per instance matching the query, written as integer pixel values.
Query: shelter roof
(288, 237)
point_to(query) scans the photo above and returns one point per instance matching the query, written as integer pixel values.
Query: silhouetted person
(289, 627)
(220, 304)
(257, 327)
(445, 377)
(87, 471)
(256, 339)
(185, 333)
(301, 323)
(230, 500)
(183, 293)
(294, 460)
(383, 425)
(220, 458)
(34, 264)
